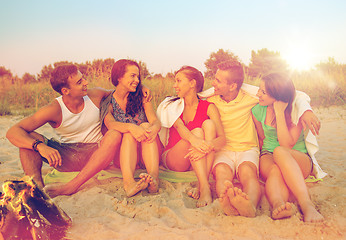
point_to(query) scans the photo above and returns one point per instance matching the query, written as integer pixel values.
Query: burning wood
(28, 213)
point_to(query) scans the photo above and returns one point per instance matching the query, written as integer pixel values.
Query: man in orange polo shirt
(240, 156)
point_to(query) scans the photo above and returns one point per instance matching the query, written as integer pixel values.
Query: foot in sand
(283, 211)
(310, 213)
(205, 197)
(133, 188)
(241, 202)
(193, 193)
(153, 184)
(226, 206)
(57, 189)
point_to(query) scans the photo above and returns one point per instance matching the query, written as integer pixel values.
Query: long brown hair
(280, 87)
(134, 99)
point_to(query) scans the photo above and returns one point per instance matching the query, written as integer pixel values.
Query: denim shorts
(74, 155)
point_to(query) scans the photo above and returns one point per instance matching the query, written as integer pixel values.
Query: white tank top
(83, 127)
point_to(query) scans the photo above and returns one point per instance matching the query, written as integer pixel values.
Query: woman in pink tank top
(195, 135)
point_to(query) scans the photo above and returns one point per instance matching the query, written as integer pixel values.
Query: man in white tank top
(75, 118)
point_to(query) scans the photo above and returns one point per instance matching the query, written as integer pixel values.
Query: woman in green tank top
(284, 162)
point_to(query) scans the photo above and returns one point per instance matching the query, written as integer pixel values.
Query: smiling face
(220, 83)
(130, 80)
(78, 86)
(264, 98)
(183, 85)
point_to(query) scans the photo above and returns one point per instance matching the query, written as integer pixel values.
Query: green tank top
(270, 142)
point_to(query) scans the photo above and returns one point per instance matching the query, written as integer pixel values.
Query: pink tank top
(200, 117)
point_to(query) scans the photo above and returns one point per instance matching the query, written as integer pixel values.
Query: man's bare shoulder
(50, 113)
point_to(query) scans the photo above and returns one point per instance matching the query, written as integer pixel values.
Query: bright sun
(299, 58)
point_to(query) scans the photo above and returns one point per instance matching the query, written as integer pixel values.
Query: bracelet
(34, 145)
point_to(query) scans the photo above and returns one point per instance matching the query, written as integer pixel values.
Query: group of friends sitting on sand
(230, 131)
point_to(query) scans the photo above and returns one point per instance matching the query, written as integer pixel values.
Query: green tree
(144, 70)
(264, 62)
(331, 66)
(28, 78)
(215, 58)
(45, 73)
(4, 71)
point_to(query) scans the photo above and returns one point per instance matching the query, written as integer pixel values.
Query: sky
(167, 34)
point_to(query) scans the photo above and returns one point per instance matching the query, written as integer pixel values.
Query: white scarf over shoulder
(168, 112)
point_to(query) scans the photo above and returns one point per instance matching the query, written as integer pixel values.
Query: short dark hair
(60, 75)
(236, 69)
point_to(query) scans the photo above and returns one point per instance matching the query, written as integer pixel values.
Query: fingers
(54, 159)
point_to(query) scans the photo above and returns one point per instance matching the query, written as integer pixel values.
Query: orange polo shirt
(237, 121)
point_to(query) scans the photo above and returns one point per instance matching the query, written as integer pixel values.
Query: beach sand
(100, 210)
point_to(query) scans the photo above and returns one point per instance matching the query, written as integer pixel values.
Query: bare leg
(150, 155)
(176, 161)
(32, 162)
(295, 166)
(275, 187)
(224, 176)
(98, 161)
(202, 173)
(128, 162)
(246, 201)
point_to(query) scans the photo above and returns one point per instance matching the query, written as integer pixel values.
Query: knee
(112, 137)
(128, 138)
(222, 171)
(209, 126)
(247, 170)
(198, 132)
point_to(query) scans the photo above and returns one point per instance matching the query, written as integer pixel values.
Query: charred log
(28, 213)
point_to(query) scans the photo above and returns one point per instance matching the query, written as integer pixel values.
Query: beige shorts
(234, 159)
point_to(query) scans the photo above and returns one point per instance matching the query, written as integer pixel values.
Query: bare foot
(57, 189)
(205, 197)
(283, 211)
(241, 202)
(153, 185)
(133, 188)
(310, 213)
(226, 206)
(193, 193)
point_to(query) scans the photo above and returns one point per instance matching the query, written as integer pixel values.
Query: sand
(100, 210)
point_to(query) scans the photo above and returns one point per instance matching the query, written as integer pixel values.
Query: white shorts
(234, 159)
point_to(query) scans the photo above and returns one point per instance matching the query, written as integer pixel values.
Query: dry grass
(324, 90)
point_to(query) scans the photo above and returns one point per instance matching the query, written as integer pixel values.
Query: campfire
(28, 213)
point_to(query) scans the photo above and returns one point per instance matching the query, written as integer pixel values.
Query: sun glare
(299, 58)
